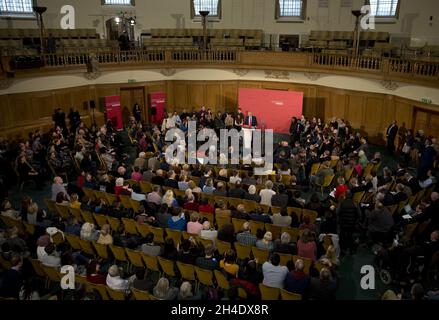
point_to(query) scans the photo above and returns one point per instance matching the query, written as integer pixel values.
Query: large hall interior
(236, 150)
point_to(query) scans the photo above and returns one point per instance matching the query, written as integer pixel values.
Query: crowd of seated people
(222, 209)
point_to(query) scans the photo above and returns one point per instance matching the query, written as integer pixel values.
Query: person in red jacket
(341, 188)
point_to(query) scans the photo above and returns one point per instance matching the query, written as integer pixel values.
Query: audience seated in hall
(188, 213)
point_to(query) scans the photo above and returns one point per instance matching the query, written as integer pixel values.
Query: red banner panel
(113, 111)
(274, 109)
(158, 107)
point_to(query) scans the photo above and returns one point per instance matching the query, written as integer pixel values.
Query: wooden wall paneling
(5, 111)
(337, 105)
(21, 108)
(373, 118)
(433, 130)
(404, 112)
(21, 112)
(275, 86)
(80, 100)
(388, 113)
(42, 105)
(181, 97)
(309, 102)
(421, 121)
(170, 95)
(61, 98)
(229, 94)
(213, 96)
(196, 95)
(250, 84)
(140, 98)
(355, 110)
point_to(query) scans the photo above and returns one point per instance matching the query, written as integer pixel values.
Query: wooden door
(428, 121)
(129, 97)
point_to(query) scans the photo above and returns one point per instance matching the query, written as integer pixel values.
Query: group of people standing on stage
(206, 119)
(416, 148)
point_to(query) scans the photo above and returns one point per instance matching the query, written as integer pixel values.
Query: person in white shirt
(235, 178)
(136, 195)
(274, 273)
(168, 123)
(114, 280)
(208, 233)
(50, 257)
(431, 180)
(267, 193)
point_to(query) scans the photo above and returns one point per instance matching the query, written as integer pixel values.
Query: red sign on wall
(158, 107)
(273, 109)
(114, 112)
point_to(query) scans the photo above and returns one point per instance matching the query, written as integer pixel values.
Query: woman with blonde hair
(266, 242)
(74, 201)
(194, 187)
(251, 194)
(32, 213)
(186, 292)
(222, 175)
(105, 237)
(88, 232)
(164, 291)
(169, 199)
(331, 256)
(119, 186)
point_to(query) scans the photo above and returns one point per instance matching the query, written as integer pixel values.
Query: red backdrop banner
(158, 103)
(274, 109)
(113, 111)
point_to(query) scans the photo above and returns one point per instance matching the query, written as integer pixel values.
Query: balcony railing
(426, 72)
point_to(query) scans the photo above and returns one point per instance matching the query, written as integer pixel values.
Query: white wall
(408, 91)
(413, 19)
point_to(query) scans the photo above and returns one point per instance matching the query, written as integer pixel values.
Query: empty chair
(268, 293)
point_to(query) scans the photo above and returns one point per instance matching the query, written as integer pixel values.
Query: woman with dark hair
(228, 264)
(249, 279)
(306, 246)
(61, 198)
(169, 250)
(31, 289)
(315, 204)
(25, 203)
(226, 233)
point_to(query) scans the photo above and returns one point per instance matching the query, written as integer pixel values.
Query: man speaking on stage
(250, 124)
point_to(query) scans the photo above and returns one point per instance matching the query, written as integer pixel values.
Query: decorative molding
(277, 74)
(92, 75)
(93, 71)
(168, 72)
(389, 85)
(6, 83)
(312, 76)
(241, 72)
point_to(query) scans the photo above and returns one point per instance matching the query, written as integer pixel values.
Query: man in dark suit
(171, 181)
(158, 179)
(237, 192)
(251, 122)
(392, 131)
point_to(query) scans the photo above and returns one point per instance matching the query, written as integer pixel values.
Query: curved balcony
(422, 72)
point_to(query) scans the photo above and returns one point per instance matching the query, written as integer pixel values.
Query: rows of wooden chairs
(269, 293)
